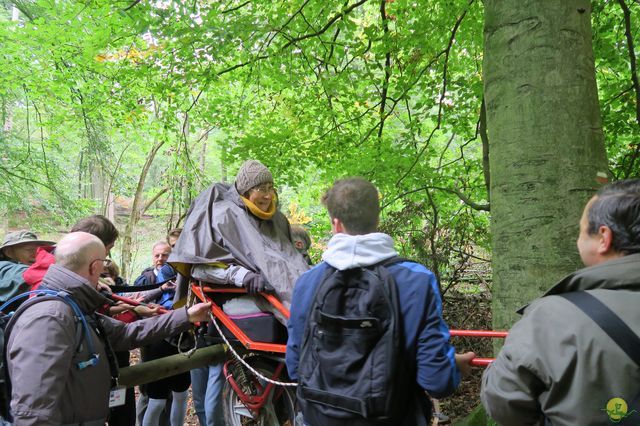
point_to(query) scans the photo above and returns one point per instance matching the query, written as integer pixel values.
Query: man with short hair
(99, 226)
(17, 252)
(558, 364)
(51, 382)
(354, 207)
(159, 253)
(163, 400)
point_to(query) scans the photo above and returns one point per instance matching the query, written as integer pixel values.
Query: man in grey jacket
(51, 385)
(557, 365)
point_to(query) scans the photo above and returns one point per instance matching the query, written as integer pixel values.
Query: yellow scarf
(255, 210)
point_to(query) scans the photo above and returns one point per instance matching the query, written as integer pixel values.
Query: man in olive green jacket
(557, 365)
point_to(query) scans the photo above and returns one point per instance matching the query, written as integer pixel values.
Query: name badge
(117, 396)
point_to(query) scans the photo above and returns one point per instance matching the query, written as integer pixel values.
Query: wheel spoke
(242, 411)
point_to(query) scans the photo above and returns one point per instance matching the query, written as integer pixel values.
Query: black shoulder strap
(111, 355)
(392, 260)
(137, 288)
(608, 321)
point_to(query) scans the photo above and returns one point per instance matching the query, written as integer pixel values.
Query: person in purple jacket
(354, 207)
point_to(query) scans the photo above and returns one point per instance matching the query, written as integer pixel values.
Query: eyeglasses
(265, 189)
(105, 262)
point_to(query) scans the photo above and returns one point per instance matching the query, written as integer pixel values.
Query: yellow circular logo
(617, 409)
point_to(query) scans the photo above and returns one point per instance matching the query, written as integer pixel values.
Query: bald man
(51, 383)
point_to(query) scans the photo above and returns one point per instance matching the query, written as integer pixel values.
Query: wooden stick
(157, 369)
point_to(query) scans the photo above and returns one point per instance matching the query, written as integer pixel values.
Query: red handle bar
(479, 333)
(133, 302)
(480, 362)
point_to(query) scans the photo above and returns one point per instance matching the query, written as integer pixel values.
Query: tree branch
(233, 9)
(26, 178)
(443, 92)
(634, 79)
(112, 173)
(24, 10)
(131, 6)
(154, 199)
(387, 67)
(328, 25)
(295, 40)
(291, 41)
(466, 200)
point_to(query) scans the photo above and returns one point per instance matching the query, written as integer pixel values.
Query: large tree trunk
(547, 147)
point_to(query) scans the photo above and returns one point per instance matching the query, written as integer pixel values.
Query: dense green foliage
(391, 90)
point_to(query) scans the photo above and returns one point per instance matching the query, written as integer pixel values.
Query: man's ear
(337, 227)
(605, 244)
(92, 268)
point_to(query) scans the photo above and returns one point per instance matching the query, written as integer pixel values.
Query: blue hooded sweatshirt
(426, 336)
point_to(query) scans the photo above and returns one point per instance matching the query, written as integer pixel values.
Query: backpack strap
(392, 261)
(10, 319)
(95, 322)
(82, 328)
(616, 329)
(608, 321)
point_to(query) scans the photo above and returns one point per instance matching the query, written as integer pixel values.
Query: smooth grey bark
(546, 142)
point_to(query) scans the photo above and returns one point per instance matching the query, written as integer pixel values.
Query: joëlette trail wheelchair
(257, 390)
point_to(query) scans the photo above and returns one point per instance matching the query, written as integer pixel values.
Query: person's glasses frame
(105, 262)
(265, 189)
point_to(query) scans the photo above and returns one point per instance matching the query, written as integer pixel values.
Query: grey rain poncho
(219, 229)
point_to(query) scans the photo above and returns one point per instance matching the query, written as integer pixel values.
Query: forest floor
(467, 312)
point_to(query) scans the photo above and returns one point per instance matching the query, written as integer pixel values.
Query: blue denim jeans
(206, 386)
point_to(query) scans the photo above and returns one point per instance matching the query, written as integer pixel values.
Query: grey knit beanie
(252, 173)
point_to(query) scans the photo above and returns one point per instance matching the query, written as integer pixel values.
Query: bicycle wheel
(279, 409)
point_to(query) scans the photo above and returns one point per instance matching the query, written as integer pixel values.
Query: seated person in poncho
(235, 235)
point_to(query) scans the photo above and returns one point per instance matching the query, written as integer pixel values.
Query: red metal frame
(479, 333)
(253, 402)
(482, 362)
(228, 322)
(279, 348)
